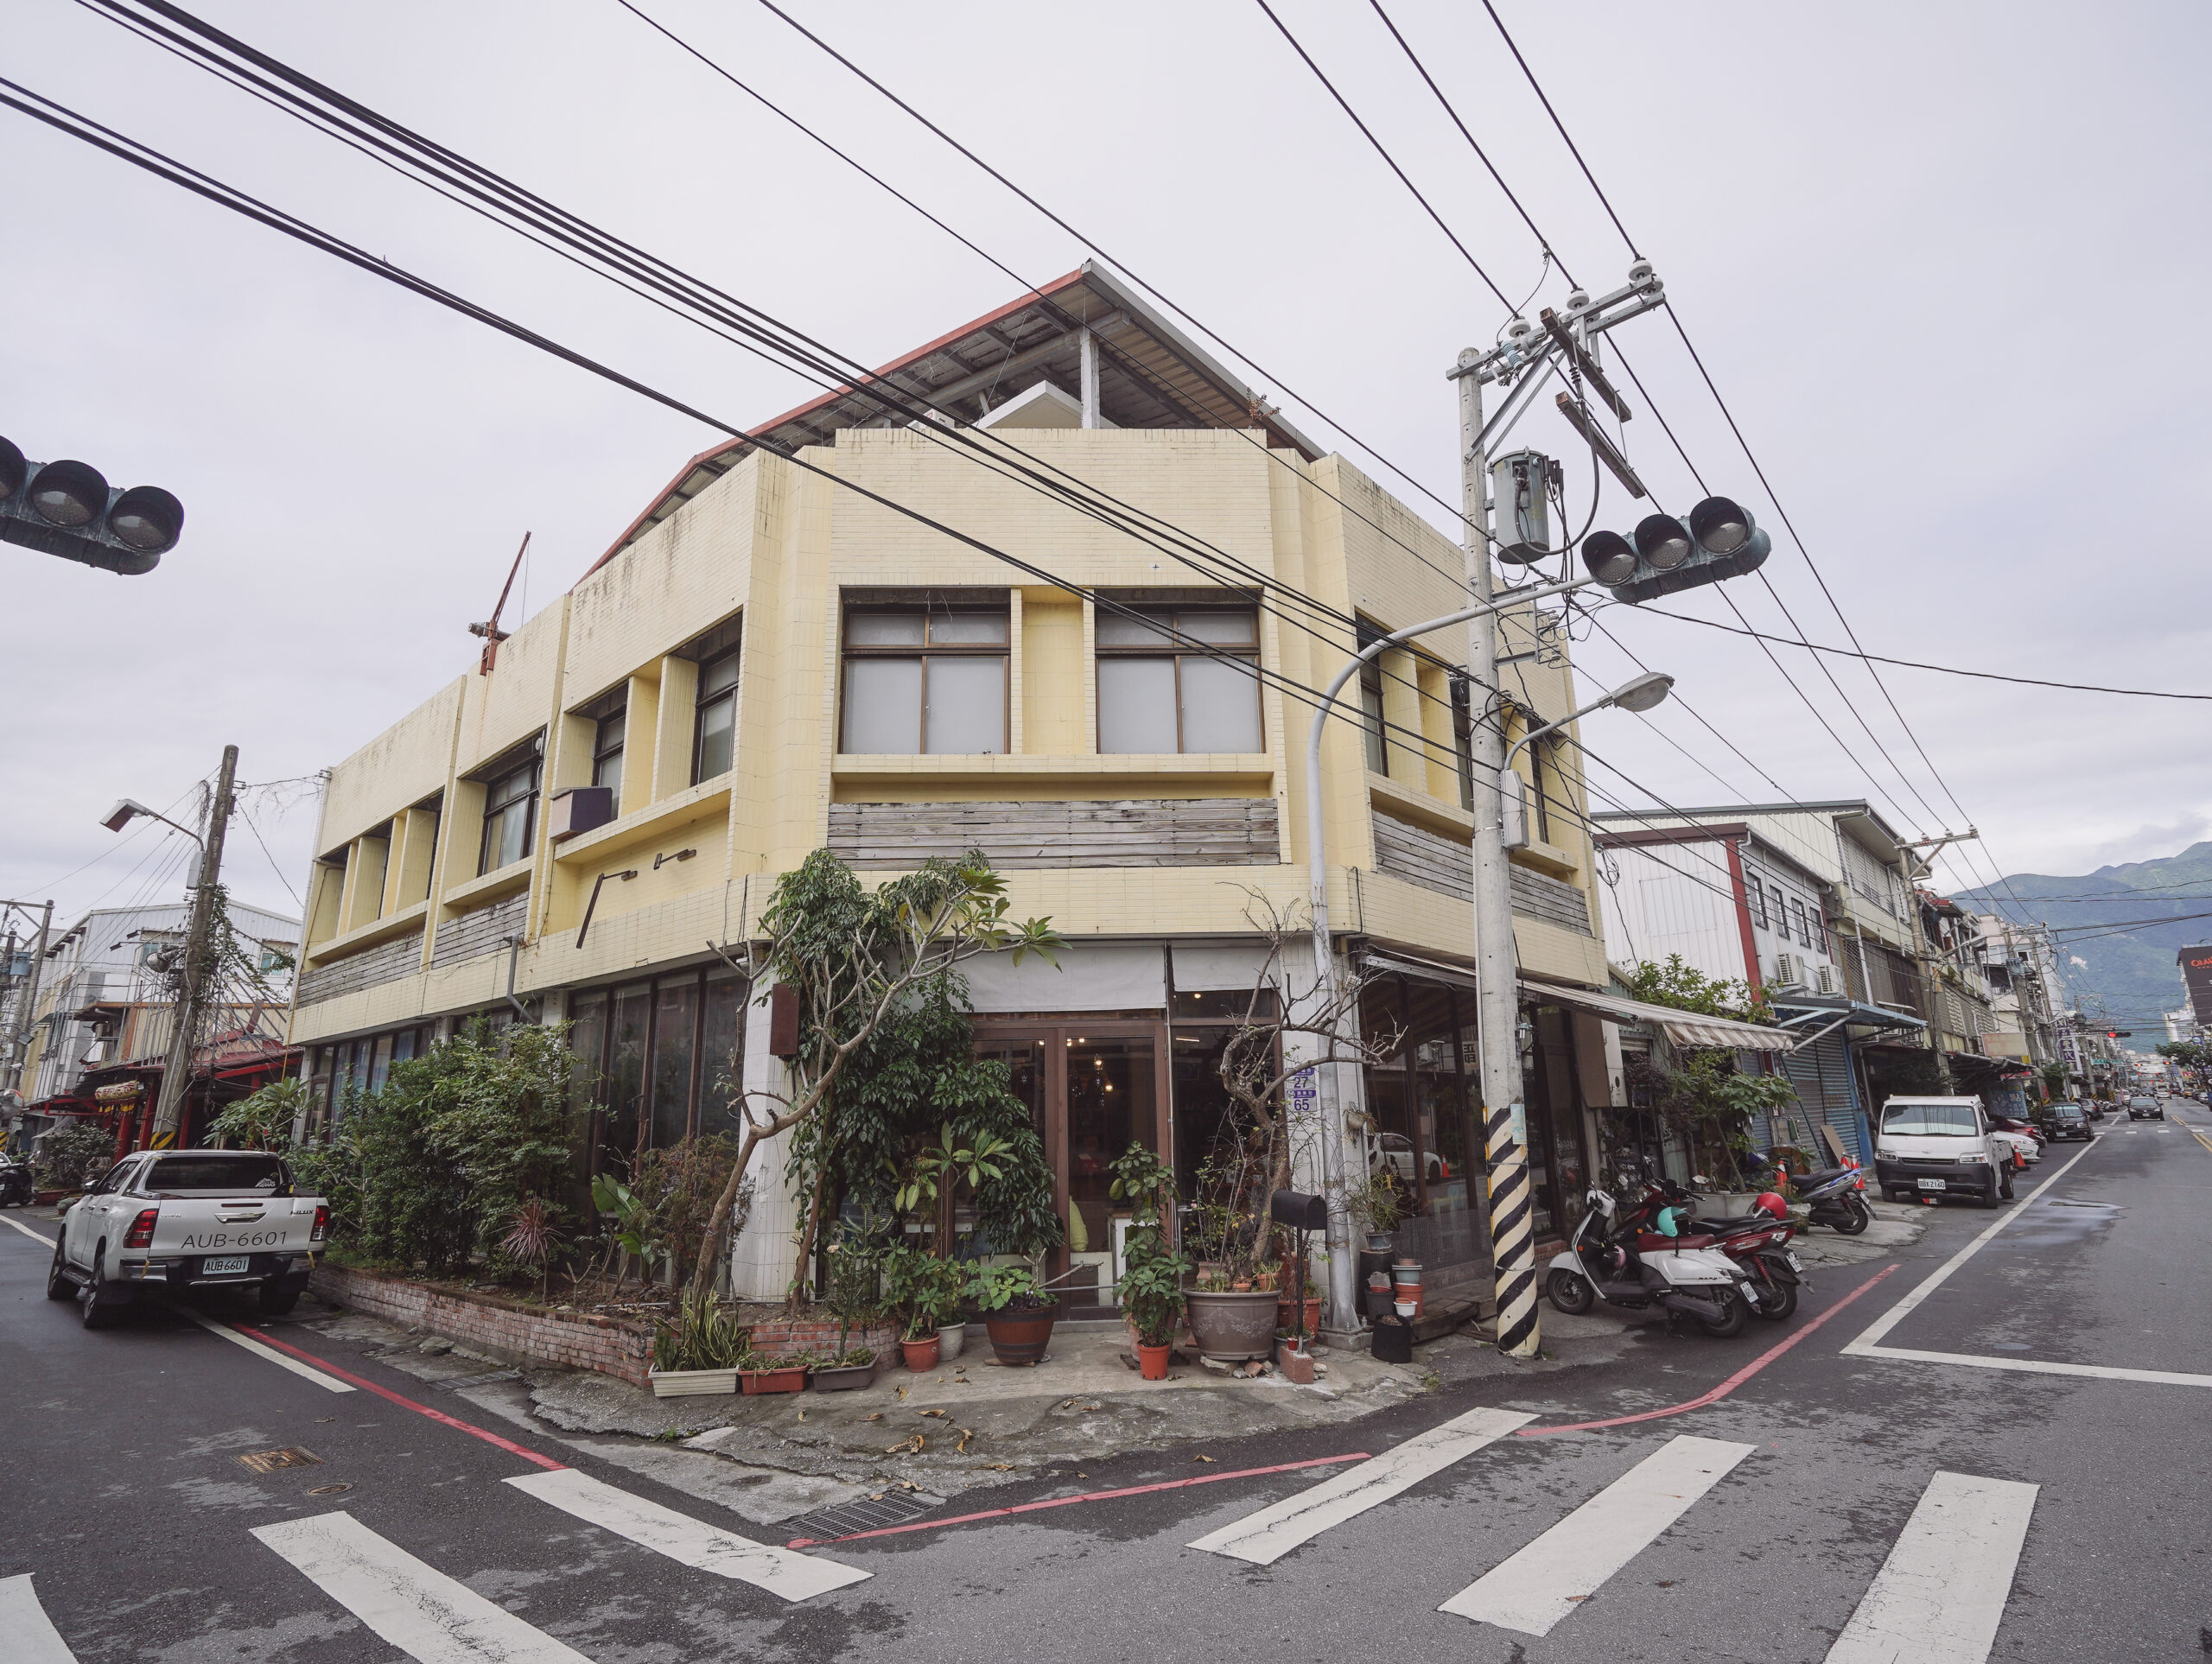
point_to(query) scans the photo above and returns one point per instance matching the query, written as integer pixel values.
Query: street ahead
(1909, 1478)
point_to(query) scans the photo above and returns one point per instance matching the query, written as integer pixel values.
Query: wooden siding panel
(481, 932)
(385, 962)
(1159, 832)
(1446, 866)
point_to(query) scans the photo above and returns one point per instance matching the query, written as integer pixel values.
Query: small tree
(856, 957)
(71, 1153)
(264, 1119)
(1682, 985)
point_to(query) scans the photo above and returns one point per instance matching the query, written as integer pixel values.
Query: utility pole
(1497, 997)
(19, 1027)
(192, 997)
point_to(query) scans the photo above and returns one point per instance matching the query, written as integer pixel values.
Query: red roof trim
(892, 368)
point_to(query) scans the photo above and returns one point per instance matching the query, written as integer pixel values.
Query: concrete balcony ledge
(694, 802)
(1101, 769)
(404, 921)
(495, 885)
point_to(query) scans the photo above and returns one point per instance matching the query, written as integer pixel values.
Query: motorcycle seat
(1814, 1180)
(1740, 1221)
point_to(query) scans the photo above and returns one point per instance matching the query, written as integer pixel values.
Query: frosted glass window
(1228, 629)
(967, 629)
(1136, 705)
(883, 629)
(1221, 705)
(1119, 630)
(966, 705)
(883, 706)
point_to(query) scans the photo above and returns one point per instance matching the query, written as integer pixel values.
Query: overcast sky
(1942, 262)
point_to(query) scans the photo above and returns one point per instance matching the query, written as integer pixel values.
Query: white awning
(1681, 1027)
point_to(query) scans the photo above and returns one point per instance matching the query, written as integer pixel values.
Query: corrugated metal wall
(1822, 1074)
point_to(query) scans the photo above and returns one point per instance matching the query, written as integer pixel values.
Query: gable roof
(1150, 375)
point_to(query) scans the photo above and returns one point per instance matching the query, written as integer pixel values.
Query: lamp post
(192, 997)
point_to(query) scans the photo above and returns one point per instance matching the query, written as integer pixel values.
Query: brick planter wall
(622, 1347)
(502, 1329)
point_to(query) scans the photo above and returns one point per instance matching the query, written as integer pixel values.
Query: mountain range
(2124, 976)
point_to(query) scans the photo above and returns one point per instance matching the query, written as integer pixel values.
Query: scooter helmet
(1768, 1202)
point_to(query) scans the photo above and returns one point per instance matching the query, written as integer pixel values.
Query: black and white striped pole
(1498, 999)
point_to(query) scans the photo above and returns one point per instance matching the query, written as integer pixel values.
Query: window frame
(1169, 617)
(1755, 897)
(703, 700)
(534, 765)
(602, 753)
(923, 651)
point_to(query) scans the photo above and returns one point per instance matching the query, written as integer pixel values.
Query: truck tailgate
(249, 1225)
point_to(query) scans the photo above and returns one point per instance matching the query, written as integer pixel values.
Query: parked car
(2065, 1119)
(2027, 1150)
(185, 1220)
(2140, 1107)
(1396, 1152)
(1941, 1147)
(2027, 1130)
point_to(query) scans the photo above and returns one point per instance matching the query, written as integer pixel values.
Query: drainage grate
(871, 1513)
(269, 1461)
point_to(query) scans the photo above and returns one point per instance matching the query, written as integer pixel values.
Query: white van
(1939, 1146)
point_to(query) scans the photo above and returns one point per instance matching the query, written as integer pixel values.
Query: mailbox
(1299, 1211)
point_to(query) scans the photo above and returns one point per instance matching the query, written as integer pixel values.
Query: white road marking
(32, 1638)
(330, 1383)
(1868, 1344)
(779, 1571)
(1561, 1570)
(38, 1236)
(1941, 1595)
(1265, 1537)
(427, 1615)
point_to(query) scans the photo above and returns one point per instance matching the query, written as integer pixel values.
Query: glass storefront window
(588, 1040)
(676, 1011)
(721, 1039)
(1110, 1106)
(620, 1138)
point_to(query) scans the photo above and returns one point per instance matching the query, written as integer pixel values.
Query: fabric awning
(1681, 1027)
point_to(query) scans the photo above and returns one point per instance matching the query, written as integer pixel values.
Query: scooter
(16, 1189)
(1699, 1282)
(1758, 1241)
(1836, 1195)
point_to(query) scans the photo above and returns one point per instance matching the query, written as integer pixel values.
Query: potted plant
(855, 1296)
(1017, 1314)
(1230, 1319)
(1381, 1203)
(698, 1353)
(758, 1372)
(1151, 1293)
(925, 1291)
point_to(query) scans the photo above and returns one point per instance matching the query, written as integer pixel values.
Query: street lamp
(1638, 694)
(127, 810)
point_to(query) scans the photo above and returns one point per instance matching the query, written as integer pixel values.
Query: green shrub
(74, 1153)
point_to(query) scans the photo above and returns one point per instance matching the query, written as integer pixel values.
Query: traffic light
(68, 509)
(1664, 555)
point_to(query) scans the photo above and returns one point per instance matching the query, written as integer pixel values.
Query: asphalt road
(1880, 1494)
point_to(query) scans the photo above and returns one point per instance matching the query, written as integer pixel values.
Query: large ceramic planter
(691, 1383)
(1019, 1337)
(1232, 1326)
(951, 1337)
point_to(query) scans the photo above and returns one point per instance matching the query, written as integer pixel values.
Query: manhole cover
(871, 1513)
(328, 1490)
(269, 1461)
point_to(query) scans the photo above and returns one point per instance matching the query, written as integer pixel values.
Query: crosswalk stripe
(1265, 1537)
(32, 1638)
(784, 1571)
(1941, 1594)
(427, 1615)
(1549, 1577)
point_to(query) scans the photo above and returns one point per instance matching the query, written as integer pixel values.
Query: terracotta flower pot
(1019, 1337)
(920, 1355)
(1286, 1313)
(790, 1379)
(1152, 1361)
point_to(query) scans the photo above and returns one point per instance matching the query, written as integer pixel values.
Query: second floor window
(606, 754)
(509, 811)
(924, 680)
(1754, 894)
(1159, 689)
(716, 747)
(1370, 718)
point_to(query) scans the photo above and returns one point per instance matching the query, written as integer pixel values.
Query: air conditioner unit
(1789, 971)
(1826, 980)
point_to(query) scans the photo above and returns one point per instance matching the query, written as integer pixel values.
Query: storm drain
(874, 1512)
(269, 1461)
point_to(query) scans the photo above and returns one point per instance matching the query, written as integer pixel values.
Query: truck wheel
(1990, 1196)
(2007, 1191)
(58, 1286)
(274, 1303)
(97, 1313)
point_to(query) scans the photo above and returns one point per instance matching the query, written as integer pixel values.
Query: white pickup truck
(182, 1220)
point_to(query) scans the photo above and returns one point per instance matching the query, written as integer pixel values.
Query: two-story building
(770, 660)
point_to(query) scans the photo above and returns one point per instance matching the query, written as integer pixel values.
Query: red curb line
(507, 1445)
(1726, 1387)
(1088, 1496)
